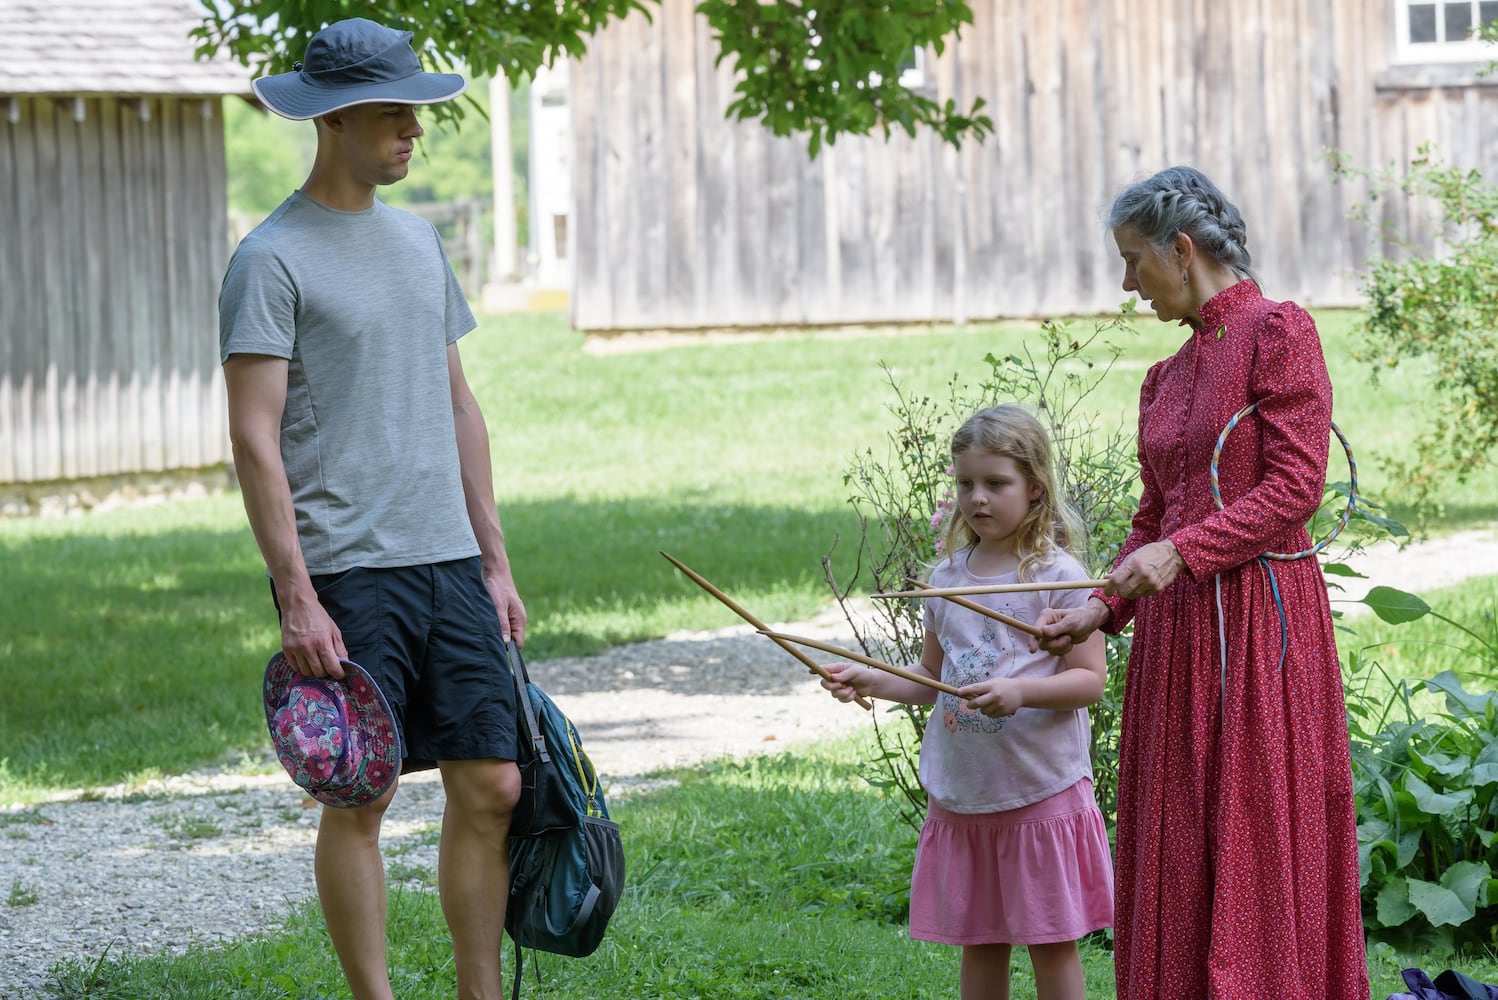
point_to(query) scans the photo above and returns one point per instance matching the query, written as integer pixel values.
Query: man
(365, 469)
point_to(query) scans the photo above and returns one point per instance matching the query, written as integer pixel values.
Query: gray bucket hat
(355, 61)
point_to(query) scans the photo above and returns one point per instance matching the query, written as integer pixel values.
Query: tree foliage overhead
(823, 68)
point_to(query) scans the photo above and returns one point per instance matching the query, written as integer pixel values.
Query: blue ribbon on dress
(1222, 627)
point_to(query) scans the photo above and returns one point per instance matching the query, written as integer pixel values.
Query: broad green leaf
(1395, 606)
(1467, 879)
(1341, 569)
(1443, 764)
(1459, 697)
(1381, 850)
(1393, 903)
(1483, 775)
(1431, 801)
(1388, 524)
(1440, 905)
(1409, 846)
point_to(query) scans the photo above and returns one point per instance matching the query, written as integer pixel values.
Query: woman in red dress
(1237, 856)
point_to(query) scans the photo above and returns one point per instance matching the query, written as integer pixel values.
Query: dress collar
(1215, 311)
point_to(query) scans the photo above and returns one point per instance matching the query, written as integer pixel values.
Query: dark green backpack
(566, 856)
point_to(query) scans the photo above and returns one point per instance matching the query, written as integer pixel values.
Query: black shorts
(430, 638)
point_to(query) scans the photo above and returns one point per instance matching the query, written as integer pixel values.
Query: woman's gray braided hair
(1184, 200)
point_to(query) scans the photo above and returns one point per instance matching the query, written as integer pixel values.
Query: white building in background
(539, 274)
(550, 256)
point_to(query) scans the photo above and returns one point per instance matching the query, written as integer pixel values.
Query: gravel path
(207, 857)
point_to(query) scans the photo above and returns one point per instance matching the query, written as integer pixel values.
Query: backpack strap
(527, 718)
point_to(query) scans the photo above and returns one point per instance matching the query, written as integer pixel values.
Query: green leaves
(820, 67)
(830, 67)
(1435, 303)
(1395, 606)
(486, 38)
(1427, 807)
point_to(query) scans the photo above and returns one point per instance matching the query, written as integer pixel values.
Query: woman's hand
(1148, 570)
(1061, 630)
(996, 697)
(847, 680)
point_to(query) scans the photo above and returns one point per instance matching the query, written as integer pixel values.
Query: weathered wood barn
(684, 219)
(113, 240)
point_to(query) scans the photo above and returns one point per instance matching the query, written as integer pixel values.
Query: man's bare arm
(478, 495)
(256, 385)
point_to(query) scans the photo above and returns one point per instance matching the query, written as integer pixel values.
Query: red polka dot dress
(1237, 860)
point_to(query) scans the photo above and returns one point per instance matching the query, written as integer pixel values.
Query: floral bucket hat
(336, 738)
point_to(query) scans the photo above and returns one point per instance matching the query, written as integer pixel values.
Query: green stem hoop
(1352, 492)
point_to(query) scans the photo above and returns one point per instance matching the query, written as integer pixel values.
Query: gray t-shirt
(363, 306)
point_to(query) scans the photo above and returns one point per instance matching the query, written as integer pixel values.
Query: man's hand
(309, 638)
(507, 605)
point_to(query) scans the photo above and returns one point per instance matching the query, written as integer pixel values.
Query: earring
(1185, 279)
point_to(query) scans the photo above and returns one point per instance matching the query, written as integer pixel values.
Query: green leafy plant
(1434, 301)
(902, 498)
(827, 67)
(1427, 798)
(822, 67)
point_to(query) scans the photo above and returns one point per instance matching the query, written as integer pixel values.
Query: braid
(1184, 200)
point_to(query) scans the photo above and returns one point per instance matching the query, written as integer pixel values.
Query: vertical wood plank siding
(685, 219)
(113, 241)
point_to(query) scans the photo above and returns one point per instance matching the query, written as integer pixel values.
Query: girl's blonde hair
(1051, 525)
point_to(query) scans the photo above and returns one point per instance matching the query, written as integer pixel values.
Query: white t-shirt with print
(971, 763)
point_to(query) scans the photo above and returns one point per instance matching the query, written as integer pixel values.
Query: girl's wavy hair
(1051, 524)
(1184, 200)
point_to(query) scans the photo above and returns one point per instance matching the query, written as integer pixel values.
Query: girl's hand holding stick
(826, 647)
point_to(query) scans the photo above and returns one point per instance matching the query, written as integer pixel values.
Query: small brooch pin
(1221, 330)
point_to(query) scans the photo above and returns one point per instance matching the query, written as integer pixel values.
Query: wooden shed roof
(109, 47)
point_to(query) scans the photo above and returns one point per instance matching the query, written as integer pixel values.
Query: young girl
(1013, 851)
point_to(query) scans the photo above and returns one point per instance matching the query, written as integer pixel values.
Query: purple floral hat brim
(345, 750)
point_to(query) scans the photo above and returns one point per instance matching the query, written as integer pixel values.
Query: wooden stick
(827, 647)
(997, 616)
(811, 664)
(996, 588)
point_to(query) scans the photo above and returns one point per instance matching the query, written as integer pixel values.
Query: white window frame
(913, 77)
(1443, 51)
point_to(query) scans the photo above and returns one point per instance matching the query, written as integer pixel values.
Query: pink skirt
(1039, 874)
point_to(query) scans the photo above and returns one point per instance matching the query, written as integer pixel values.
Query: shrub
(1437, 305)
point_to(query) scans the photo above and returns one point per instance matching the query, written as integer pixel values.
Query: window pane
(1488, 10)
(1458, 21)
(1422, 22)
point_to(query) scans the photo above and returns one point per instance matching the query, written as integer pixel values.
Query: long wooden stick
(811, 664)
(997, 616)
(996, 588)
(827, 647)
